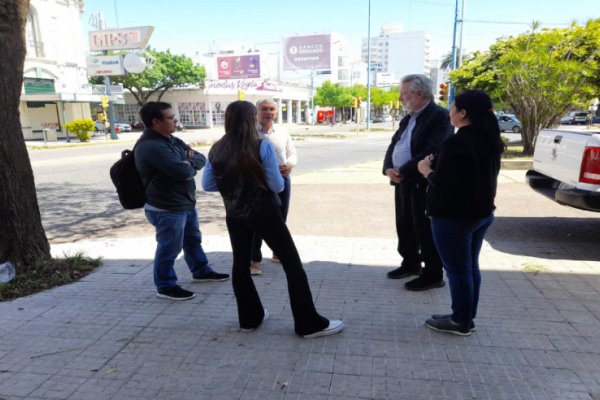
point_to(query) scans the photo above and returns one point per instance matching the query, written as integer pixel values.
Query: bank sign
(307, 52)
(120, 39)
(105, 65)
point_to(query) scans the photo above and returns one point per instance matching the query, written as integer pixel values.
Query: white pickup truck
(566, 167)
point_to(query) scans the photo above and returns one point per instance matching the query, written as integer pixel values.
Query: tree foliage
(540, 76)
(22, 237)
(333, 95)
(169, 71)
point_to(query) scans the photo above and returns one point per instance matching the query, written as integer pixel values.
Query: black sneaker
(175, 293)
(403, 272)
(442, 316)
(212, 276)
(448, 326)
(423, 283)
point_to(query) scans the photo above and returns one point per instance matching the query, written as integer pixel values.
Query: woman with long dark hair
(245, 171)
(460, 203)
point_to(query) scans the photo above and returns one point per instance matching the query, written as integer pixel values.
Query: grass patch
(48, 274)
(515, 152)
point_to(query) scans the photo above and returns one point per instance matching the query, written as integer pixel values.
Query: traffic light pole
(111, 112)
(451, 91)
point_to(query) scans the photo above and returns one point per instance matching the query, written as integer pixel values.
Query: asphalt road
(331, 196)
(77, 198)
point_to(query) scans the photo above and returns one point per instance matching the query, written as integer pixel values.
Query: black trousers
(272, 228)
(415, 241)
(284, 196)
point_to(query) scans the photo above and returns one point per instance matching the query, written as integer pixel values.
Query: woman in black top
(460, 203)
(245, 171)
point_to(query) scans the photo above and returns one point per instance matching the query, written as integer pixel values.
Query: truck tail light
(590, 166)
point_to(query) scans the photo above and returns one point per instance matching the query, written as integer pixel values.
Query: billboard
(238, 67)
(307, 52)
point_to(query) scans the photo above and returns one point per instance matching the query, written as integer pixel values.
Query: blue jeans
(459, 243)
(176, 230)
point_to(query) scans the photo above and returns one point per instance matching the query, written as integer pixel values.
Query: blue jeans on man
(176, 231)
(459, 243)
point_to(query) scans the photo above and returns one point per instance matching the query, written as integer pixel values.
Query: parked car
(122, 127)
(566, 168)
(596, 119)
(509, 122)
(99, 126)
(575, 117)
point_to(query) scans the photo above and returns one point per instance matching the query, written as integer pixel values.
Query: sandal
(255, 268)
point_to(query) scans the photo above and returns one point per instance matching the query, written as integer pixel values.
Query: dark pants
(272, 228)
(459, 243)
(415, 242)
(285, 196)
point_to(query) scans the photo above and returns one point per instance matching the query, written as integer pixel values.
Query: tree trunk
(22, 237)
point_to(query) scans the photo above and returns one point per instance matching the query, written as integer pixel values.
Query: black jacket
(463, 183)
(166, 171)
(432, 128)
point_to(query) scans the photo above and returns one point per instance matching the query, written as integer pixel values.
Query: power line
(515, 22)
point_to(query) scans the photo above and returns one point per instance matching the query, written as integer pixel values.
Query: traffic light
(104, 101)
(241, 94)
(443, 92)
(358, 101)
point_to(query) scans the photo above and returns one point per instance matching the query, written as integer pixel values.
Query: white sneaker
(335, 326)
(253, 329)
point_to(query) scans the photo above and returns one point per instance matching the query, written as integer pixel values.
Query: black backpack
(128, 182)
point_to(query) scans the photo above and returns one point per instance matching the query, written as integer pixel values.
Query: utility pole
(451, 92)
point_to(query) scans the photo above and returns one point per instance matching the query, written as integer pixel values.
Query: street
(338, 190)
(77, 198)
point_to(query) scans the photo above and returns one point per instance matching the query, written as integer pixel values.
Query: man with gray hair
(286, 156)
(420, 133)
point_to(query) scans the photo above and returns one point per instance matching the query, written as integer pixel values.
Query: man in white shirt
(286, 156)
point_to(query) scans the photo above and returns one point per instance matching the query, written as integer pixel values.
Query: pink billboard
(307, 52)
(238, 67)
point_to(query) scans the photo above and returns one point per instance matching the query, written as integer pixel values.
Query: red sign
(239, 67)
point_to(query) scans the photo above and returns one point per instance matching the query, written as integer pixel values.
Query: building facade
(55, 88)
(398, 53)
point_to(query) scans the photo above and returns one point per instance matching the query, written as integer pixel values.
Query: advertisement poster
(238, 67)
(307, 52)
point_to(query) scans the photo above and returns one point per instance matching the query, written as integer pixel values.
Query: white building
(55, 88)
(398, 53)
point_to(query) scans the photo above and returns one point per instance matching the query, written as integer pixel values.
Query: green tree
(168, 71)
(22, 237)
(539, 76)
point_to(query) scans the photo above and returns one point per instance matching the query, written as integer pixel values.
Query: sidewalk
(109, 337)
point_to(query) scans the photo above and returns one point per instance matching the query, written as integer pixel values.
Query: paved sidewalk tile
(109, 337)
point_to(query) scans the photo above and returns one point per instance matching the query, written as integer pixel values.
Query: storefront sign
(120, 39)
(105, 65)
(238, 67)
(38, 85)
(307, 52)
(233, 85)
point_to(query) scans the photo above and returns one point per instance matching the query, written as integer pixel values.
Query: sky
(193, 26)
